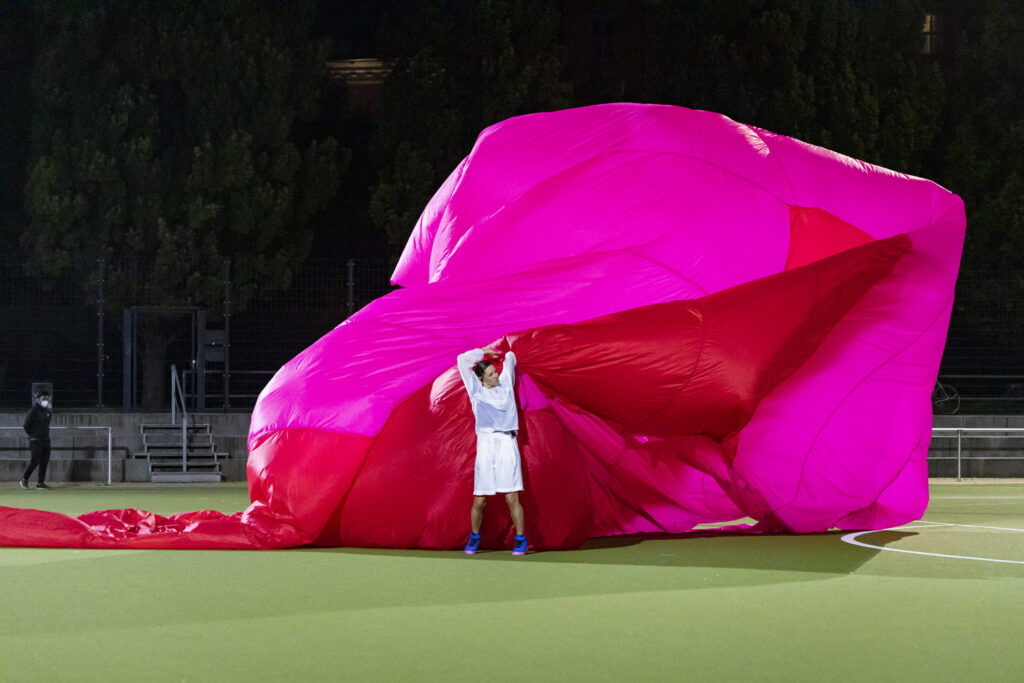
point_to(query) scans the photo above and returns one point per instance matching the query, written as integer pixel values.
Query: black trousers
(40, 449)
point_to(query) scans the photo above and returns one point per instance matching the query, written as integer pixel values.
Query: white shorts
(497, 464)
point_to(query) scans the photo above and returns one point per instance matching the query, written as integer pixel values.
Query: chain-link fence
(272, 331)
(62, 332)
(50, 333)
(983, 363)
(986, 329)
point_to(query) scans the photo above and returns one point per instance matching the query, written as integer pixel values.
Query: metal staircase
(182, 452)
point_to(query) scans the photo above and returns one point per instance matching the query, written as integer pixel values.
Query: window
(931, 42)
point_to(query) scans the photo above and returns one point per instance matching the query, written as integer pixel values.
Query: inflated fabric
(712, 322)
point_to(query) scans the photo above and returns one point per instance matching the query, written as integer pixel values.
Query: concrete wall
(81, 455)
(989, 456)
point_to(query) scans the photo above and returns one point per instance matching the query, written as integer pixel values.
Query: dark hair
(481, 367)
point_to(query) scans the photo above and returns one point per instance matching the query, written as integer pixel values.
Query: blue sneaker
(520, 547)
(474, 543)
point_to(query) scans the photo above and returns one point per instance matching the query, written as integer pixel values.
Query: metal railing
(110, 443)
(178, 405)
(961, 433)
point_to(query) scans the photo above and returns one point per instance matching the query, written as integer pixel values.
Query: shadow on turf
(818, 553)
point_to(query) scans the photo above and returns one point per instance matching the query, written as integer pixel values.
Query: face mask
(44, 403)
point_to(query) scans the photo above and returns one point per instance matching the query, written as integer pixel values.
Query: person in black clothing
(37, 426)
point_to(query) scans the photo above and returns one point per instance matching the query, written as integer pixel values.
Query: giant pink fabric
(564, 216)
(561, 218)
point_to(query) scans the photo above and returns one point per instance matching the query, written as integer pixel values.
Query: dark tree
(458, 67)
(164, 140)
(16, 54)
(985, 165)
(846, 75)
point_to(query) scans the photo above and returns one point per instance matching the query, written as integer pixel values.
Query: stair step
(177, 458)
(184, 477)
(173, 431)
(163, 444)
(205, 463)
(176, 438)
(143, 455)
(176, 426)
(171, 468)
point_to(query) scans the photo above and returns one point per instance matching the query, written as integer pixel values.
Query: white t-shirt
(494, 408)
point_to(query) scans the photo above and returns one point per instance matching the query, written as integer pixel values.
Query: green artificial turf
(702, 607)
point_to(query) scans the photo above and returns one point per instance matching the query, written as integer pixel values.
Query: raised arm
(508, 370)
(466, 361)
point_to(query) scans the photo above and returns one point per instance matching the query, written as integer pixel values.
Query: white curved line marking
(852, 540)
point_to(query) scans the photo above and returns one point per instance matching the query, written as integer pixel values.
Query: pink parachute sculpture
(712, 322)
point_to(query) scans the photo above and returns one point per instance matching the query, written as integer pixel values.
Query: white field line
(973, 526)
(981, 505)
(924, 524)
(976, 498)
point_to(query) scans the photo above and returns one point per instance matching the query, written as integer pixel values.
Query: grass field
(704, 607)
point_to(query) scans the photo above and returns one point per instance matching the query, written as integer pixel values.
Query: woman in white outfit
(497, 469)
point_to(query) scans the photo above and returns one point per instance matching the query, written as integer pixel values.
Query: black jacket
(37, 422)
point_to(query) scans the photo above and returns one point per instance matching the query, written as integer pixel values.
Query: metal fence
(54, 332)
(273, 331)
(983, 363)
(50, 333)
